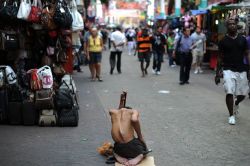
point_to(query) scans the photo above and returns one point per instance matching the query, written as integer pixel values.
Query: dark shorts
(144, 56)
(131, 149)
(95, 57)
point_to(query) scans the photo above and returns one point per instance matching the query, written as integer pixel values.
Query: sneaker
(173, 65)
(200, 70)
(158, 73)
(196, 71)
(236, 109)
(153, 71)
(231, 120)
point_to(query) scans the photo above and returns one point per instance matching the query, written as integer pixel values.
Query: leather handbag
(9, 40)
(61, 55)
(47, 17)
(35, 12)
(62, 16)
(9, 10)
(44, 99)
(58, 70)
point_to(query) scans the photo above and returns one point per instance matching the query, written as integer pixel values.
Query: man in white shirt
(199, 49)
(118, 40)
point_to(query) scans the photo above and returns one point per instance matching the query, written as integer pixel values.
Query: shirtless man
(128, 150)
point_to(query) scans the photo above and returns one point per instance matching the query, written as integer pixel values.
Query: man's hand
(217, 79)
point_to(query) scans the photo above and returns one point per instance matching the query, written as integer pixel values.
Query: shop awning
(240, 5)
(198, 12)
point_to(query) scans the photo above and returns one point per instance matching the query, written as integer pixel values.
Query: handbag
(47, 17)
(46, 60)
(9, 10)
(35, 82)
(77, 23)
(61, 55)
(24, 9)
(46, 76)
(35, 12)
(58, 70)
(44, 99)
(62, 16)
(9, 40)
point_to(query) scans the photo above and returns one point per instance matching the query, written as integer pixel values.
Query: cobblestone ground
(184, 125)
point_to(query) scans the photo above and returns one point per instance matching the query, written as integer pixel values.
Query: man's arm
(137, 126)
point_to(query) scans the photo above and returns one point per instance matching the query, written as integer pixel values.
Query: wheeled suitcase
(69, 117)
(15, 113)
(29, 112)
(44, 99)
(47, 118)
(3, 106)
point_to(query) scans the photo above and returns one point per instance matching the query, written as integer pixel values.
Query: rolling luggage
(29, 113)
(3, 106)
(47, 118)
(15, 113)
(68, 117)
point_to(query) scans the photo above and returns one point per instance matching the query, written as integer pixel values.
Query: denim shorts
(95, 57)
(144, 56)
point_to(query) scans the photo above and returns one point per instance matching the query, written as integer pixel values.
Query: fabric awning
(198, 12)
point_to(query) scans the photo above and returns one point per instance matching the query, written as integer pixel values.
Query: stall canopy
(245, 4)
(198, 12)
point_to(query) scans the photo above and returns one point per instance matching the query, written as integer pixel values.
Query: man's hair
(232, 18)
(118, 28)
(185, 29)
(171, 33)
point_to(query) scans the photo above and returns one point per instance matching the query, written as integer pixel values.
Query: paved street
(185, 125)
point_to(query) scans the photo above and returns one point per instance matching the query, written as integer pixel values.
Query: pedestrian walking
(159, 46)
(233, 48)
(183, 48)
(118, 40)
(170, 45)
(94, 48)
(198, 49)
(144, 48)
(130, 35)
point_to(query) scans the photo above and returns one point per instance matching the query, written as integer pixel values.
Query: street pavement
(183, 125)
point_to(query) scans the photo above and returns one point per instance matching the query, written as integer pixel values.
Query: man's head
(186, 31)
(198, 30)
(118, 28)
(159, 29)
(231, 24)
(94, 31)
(144, 32)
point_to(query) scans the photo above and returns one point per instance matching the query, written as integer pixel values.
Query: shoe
(236, 109)
(182, 83)
(200, 70)
(153, 71)
(172, 65)
(187, 82)
(146, 72)
(196, 71)
(231, 120)
(158, 73)
(111, 71)
(119, 72)
(99, 78)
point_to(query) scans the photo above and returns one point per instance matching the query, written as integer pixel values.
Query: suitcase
(29, 113)
(15, 113)
(14, 93)
(47, 118)
(69, 117)
(3, 106)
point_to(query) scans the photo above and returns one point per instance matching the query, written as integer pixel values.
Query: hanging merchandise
(46, 76)
(24, 10)
(47, 16)
(9, 10)
(35, 13)
(77, 23)
(10, 75)
(58, 70)
(61, 55)
(62, 15)
(9, 40)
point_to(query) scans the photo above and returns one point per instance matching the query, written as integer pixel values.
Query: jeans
(113, 60)
(157, 60)
(170, 57)
(185, 66)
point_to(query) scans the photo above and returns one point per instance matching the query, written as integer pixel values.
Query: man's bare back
(122, 126)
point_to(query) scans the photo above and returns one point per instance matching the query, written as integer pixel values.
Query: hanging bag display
(35, 12)
(9, 10)
(44, 99)
(47, 16)
(77, 23)
(58, 70)
(24, 9)
(62, 15)
(46, 76)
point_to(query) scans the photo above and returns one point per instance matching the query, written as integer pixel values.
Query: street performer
(128, 150)
(233, 48)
